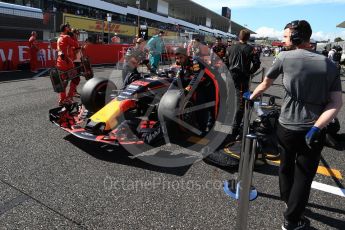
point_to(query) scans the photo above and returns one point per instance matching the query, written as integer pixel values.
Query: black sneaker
(294, 226)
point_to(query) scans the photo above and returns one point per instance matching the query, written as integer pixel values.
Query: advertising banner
(94, 25)
(14, 53)
(154, 31)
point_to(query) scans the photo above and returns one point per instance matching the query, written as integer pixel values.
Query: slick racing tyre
(172, 106)
(97, 93)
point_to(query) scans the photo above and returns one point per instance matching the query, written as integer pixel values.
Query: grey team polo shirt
(308, 79)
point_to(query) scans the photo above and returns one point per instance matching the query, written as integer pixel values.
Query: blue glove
(246, 96)
(312, 138)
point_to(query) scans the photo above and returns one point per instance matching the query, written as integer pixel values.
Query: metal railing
(241, 188)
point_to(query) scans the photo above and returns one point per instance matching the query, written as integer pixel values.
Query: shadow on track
(16, 76)
(329, 221)
(268, 169)
(119, 155)
(231, 170)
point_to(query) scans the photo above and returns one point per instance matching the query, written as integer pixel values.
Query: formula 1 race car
(146, 111)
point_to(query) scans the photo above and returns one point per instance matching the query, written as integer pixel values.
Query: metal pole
(262, 79)
(138, 3)
(247, 159)
(246, 119)
(246, 193)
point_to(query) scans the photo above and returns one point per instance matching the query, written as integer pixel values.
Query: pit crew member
(304, 115)
(242, 64)
(218, 52)
(64, 63)
(33, 45)
(189, 72)
(141, 52)
(156, 48)
(133, 59)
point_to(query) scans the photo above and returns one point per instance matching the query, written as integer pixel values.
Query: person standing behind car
(218, 52)
(156, 47)
(116, 39)
(64, 63)
(33, 45)
(133, 59)
(335, 55)
(227, 53)
(141, 53)
(313, 98)
(242, 63)
(195, 48)
(325, 52)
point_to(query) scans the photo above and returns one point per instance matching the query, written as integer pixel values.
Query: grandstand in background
(176, 17)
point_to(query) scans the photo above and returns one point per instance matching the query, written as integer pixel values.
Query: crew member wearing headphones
(313, 98)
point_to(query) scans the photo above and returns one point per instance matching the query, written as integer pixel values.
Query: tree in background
(338, 39)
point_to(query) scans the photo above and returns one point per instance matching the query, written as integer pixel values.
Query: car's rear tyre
(97, 93)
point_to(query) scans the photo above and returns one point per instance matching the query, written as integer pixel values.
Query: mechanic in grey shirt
(313, 98)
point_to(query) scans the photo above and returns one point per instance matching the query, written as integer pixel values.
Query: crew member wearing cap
(33, 45)
(141, 52)
(64, 63)
(133, 60)
(189, 73)
(156, 48)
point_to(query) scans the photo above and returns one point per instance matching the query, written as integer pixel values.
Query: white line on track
(328, 188)
(41, 73)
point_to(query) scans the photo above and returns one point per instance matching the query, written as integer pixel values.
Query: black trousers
(297, 170)
(205, 94)
(241, 87)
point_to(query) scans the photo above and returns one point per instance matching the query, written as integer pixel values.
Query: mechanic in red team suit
(64, 63)
(33, 44)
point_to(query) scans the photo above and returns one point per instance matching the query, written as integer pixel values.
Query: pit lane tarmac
(49, 179)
